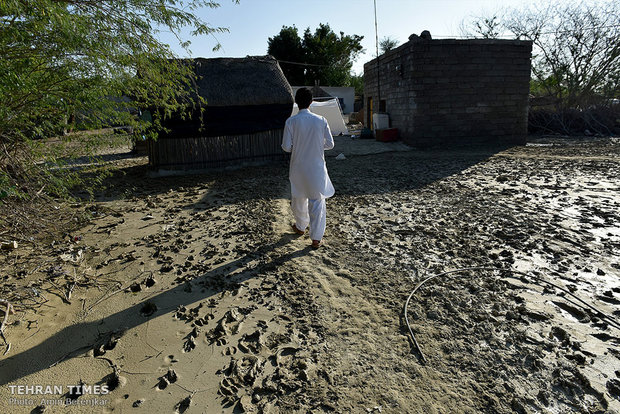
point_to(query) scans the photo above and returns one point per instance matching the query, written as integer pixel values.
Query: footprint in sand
(230, 350)
(183, 405)
(228, 325)
(108, 344)
(251, 343)
(190, 340)
(168, 378)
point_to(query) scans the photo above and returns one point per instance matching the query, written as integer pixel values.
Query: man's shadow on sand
(79, 338)
(389, 172)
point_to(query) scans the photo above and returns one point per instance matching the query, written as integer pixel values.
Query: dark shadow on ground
(102, 158)
(226, 186)
(79, 338)
(401, 171)
(356, 175)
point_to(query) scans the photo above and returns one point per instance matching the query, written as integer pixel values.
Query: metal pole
(377, 51)
(376, 30)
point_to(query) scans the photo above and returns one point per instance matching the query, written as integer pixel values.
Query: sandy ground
(191, 295)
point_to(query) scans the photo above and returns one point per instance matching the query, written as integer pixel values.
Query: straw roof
(253, 80)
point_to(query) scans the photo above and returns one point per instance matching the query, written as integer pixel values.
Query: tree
(287, 45)
(387, 43)
(323, 56)
(575, 62)
(488, 27)
(485, 27)
(357, 82)
(576, 57)
(71, 62)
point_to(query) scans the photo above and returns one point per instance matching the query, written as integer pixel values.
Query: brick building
(463, 92)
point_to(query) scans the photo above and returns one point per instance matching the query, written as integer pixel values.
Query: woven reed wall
(216, 152)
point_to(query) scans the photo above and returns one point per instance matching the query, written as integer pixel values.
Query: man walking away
(306, 137)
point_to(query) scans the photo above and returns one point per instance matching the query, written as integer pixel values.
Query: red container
(387, 135)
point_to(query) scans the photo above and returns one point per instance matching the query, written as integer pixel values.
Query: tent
(331, 111)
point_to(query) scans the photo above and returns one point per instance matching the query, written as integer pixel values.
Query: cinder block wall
(462, 92)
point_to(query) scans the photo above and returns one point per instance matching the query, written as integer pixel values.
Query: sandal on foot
(316, 244)
(296, 230)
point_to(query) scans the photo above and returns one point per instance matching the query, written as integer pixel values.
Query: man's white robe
(306, 137)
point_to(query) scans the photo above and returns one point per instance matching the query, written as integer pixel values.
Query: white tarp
(331, 111)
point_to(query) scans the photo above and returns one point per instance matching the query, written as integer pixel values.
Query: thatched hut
(248, 101)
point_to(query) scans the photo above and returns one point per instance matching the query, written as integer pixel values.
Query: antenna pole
(377, 51)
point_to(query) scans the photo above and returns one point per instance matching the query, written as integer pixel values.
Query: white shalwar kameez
(306, 137)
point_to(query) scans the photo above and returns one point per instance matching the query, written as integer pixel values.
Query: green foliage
(86, 64)
(387, 43)
(287, 45)
(8, 188)
(322, 56)
(357, 81)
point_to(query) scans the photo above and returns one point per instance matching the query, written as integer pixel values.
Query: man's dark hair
(303, 98)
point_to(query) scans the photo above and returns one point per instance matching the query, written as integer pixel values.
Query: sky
(252, 22)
